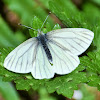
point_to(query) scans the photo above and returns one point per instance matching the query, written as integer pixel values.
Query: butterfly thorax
(42, 39)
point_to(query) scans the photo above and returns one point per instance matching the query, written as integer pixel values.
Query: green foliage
(87, 94)
(66, 84)
(37, 23)
(26, 9)
(44, 95)
(96, 1)
(94, 21)
(11, 95)
(6, 35)
(87, 72)
(92, 63)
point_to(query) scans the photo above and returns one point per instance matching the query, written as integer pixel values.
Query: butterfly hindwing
(41, 67)
(63, 61)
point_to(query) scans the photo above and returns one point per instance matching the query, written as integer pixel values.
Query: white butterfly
(47, 54)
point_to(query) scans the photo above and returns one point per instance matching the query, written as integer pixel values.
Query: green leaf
(7, 37)
(36, 24)
(92, 63)
(26, 13)
(66, 12)
(94, 21)
(44, 95)
(66, 84)
(12, 94)
(96, 1)
(87, 94)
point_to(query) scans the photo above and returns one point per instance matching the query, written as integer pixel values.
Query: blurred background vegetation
(67, 13)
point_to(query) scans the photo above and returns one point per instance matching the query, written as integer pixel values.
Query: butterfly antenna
(45, 20)
(27, 26)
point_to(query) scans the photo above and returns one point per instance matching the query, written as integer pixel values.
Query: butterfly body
(42, 40)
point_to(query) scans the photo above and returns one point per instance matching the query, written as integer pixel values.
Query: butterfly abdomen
(43, 41)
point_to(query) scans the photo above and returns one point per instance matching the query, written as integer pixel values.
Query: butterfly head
(39, 32)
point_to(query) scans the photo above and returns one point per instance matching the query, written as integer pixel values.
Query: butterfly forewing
(20, 59)
(76, 40)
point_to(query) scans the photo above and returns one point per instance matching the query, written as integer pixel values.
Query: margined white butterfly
(47, 54)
